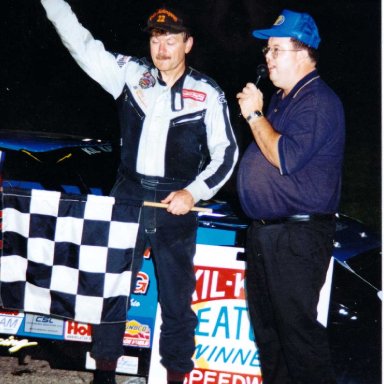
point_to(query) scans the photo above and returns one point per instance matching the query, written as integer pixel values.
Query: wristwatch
(254, 114)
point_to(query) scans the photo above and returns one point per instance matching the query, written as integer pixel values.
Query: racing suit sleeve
(89, 53)
(222, 148)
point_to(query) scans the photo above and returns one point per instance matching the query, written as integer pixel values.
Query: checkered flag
(68, 256)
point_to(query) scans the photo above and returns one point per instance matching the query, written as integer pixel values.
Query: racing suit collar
(177, 93)
(176, 90)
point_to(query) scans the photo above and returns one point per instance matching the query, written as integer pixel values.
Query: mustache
(162, 57)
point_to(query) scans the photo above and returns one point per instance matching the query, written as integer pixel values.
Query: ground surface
(39, 372)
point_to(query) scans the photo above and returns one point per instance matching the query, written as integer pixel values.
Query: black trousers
(286, 268)
(173, 242)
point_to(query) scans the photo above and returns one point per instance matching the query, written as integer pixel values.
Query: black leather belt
(297, 219)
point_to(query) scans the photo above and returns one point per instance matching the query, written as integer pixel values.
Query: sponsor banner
(225, 346)
(125, 364)
(224, 339)
(45, 325)
(225, 349)
(225, 352)
(78, 332)
(137, 334)
(10, 321)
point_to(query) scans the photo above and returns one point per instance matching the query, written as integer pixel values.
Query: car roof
(36, 141)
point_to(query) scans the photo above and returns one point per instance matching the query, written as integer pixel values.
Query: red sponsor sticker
(78, 331)
(142, 283)
(9, 313)
(202, 376)
(195, 95)
(218, 284)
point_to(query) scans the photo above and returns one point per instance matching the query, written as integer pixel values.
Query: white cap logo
(280, 20)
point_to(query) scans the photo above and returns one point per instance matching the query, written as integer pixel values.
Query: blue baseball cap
(300, 26)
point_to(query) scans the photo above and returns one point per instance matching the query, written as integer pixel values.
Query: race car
(80, 165)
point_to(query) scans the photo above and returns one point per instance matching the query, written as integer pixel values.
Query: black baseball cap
(168, 19)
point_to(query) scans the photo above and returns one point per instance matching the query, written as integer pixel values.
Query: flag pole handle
(163, 205)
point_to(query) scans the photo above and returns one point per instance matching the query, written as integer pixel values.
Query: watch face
(253, 114)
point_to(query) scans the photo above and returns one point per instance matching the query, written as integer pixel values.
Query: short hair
(312, 52)
(160, 32)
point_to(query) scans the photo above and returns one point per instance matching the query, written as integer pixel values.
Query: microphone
(262, 73)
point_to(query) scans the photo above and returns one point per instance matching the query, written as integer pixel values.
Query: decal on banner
(75, 331)
(201, 376)
(15, 345)
(225, 347)
(137, 334)
(142, 283)
(125, 364)
(10, 321)
(214, 284)
(43, 324)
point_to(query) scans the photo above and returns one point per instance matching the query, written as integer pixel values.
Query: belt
(297, 219)
(152, 182)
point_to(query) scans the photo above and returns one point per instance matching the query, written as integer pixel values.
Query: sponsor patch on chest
(195, 95)
(147, 81)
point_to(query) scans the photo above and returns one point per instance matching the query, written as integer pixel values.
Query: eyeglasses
(275, 51)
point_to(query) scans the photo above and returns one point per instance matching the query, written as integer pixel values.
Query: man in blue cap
(289, 184)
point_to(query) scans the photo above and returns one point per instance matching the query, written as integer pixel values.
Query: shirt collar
(301, 84)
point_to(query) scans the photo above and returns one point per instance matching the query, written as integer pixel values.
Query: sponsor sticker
(122, 60)
(222, 99)
(15, 345)
(43, 324)
(142, 283)
(198, 376)
(137, 334)
(194, 95)
(10, 321)
(147, 80)
(125, 364)
(78, 332)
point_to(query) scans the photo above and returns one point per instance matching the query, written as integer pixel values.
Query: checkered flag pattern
(68, 256)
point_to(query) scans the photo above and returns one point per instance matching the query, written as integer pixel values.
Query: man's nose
(162, 48)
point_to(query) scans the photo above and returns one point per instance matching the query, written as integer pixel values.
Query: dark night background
(42, 89)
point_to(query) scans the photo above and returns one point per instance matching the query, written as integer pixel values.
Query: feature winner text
(225, 347)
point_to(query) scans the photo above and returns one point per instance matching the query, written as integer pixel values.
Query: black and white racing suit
(172, 138)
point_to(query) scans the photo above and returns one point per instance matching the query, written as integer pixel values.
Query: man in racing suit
(177, 147)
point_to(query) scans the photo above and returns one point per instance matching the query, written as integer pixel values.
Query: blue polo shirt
(311, 121)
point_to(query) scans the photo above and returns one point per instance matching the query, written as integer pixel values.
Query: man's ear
(188, 44)
(303, 54)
